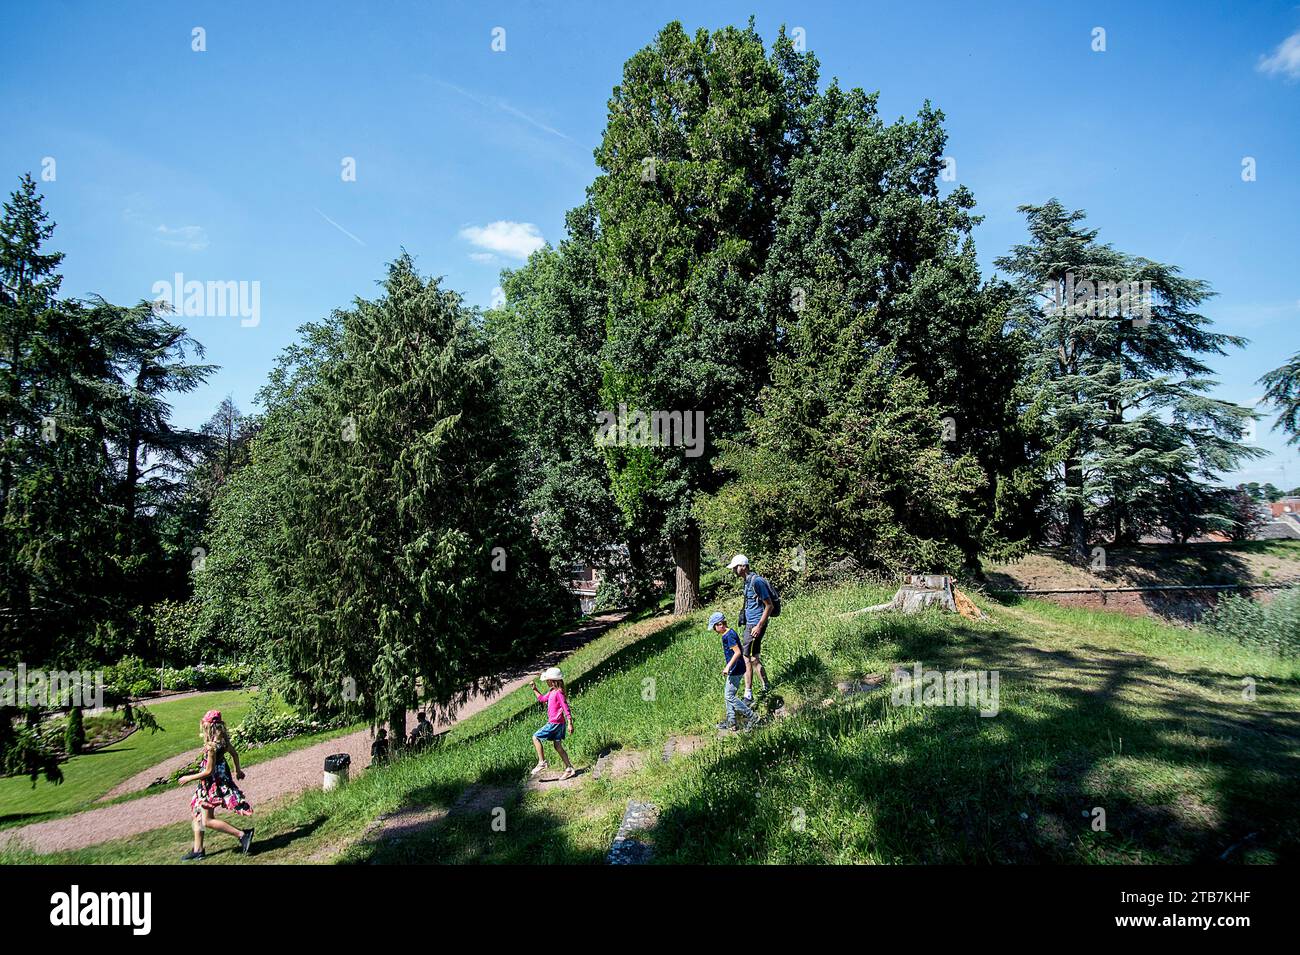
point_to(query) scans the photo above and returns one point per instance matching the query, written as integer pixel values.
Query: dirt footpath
(265, 782)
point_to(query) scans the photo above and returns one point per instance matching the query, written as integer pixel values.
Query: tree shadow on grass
(499, 829)
(24, 818)
(875, 781)
(806, 674)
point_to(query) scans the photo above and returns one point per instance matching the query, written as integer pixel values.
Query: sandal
(537, 769)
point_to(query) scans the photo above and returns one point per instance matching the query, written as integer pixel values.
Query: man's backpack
(776, 602)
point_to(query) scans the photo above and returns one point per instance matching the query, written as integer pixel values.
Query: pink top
(556, 706)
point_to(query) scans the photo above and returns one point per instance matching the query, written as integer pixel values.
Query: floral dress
(219, 791)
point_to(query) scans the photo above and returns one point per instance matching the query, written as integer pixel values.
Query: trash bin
(336, 770)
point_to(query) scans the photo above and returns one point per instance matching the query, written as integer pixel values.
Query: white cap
(553, 673)
(740, 560)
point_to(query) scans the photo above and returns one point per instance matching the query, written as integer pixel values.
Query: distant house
(584, 579)
(583, 582)
(1286, 507)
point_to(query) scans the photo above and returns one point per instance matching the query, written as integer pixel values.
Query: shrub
(25, 753)
(205, 676)
(1272, 627)
(265, 724)
(173, 626)
(186, 678)
(74, 733)
(130, 677)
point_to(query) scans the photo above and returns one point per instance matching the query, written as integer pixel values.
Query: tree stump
(925, 590)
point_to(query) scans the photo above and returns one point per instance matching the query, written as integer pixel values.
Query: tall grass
(1273, 627)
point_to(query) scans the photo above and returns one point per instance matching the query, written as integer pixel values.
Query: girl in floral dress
(216, 788)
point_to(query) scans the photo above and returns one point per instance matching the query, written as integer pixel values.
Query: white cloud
(518, 240)
(486, 258)
(192, 237)
(1285, 59)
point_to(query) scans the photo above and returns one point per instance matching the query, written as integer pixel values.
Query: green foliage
(174, 631)
(1282, 391)
(91, 467)
(1123, 406)
(890, 430)
(206, 676)
(696, 145)
(266, 723)
(74, 733)
(1273, 627)
(26, 754)
(376, 540)
(547, 337)
(139, 716)
(130, 677)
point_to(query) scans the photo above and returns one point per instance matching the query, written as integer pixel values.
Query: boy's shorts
(750, 645)
(551, 731)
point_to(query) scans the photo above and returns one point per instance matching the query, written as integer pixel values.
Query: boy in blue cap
(734, 670)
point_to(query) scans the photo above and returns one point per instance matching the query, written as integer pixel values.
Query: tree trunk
(1077, 532)
(686, 555)
(640, 573)
(132, 463)
(397, 729)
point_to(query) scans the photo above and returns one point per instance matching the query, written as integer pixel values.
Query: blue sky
(226, 164)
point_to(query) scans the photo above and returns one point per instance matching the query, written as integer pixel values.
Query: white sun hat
(740, 560)
(553, 673)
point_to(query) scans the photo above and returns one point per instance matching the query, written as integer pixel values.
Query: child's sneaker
(568, 773)
(246, 841)
(193, 856)
(537, 769)
(724, 725)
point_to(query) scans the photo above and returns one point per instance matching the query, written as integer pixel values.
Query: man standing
(758, 607)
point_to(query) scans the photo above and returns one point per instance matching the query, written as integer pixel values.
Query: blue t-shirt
(730, 640)
(756, 591)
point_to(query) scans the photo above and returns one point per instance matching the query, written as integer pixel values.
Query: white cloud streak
(1285, 60)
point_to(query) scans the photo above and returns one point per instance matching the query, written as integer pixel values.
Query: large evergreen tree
(1282, 391)
(890, 431)
(57, 543)
(694, 160)
(1133, 434)
(395, 553)
(90, 464)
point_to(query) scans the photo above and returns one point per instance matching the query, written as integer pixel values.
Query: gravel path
(142, 779)
(276, 778)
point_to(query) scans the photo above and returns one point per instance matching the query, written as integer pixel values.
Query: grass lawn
(88, 777)
(1148, 722)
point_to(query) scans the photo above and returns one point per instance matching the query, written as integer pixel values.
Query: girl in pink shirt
(559, 721)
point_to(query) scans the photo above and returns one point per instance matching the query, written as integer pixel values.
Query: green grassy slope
(1143, 720)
